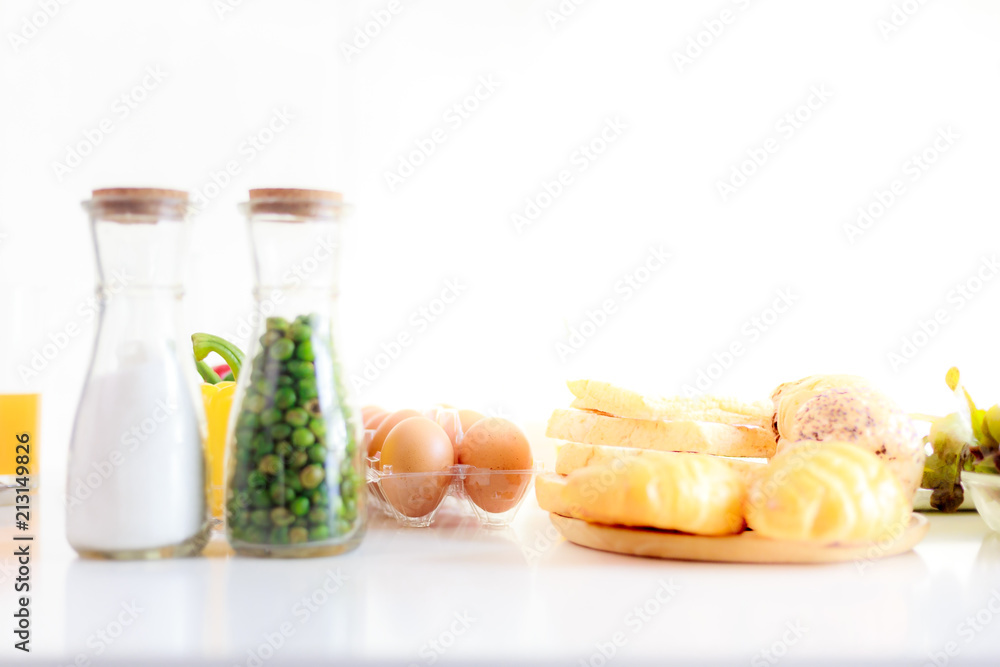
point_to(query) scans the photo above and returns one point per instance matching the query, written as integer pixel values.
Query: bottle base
(190, 547)
(295, 550)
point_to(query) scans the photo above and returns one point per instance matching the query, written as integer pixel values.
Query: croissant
(826, 492)
(693, 493)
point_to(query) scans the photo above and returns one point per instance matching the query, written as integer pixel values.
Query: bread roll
(829, 492)
(595, 428)
(693, 493)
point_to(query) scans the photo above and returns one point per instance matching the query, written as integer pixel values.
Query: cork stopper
(137, 205)
(297, 204)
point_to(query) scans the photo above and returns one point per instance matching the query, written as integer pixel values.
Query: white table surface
(508, 596)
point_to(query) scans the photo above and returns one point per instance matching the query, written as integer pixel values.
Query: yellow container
(18, 418)
(218, 400)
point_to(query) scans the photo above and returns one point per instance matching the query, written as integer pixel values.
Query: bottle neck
(139, 259)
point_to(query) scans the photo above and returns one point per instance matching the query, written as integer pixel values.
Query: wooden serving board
(746, 547)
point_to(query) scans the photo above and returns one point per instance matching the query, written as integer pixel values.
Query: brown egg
(416, 445)
(375, 446)
(469, 417)
(495, 444)
(375, 420)
(370, 411)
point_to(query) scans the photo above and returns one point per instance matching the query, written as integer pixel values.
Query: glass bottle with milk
(136, 485)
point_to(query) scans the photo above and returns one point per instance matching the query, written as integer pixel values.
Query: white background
(686, 127)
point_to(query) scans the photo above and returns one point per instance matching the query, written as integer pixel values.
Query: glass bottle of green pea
(295, 465)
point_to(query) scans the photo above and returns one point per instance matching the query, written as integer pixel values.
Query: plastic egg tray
(415, 498)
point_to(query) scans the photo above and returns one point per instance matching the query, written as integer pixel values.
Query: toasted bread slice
(593, 428)
(694, 493)
(613, 400)
(571, 456)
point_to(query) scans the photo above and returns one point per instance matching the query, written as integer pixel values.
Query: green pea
(318, 515)
(303, 437)
(243, 455)
(342, 527)
(281, 350)
(317, 453)
(254, 403)
(283, 448)
(244, 436)
(281, 517)
(247, 420)
(348, 487)
(277, 494)
(270, 416)
(270, 465)
(298, 535)
(256, 480)
(318, 427)
(281, 431)
(259, 498)
(300, 506)
(350, 511)
(255, 535)
(297, 460)
(262, 444)
(299, 332)
(301, 369)
(277, 324)
(293, 482)
(271, 337)
(304, 351)
(284, 398)
(311, 476)
(312, 407)
(297, 417)
(307, 389)
(319, 496)
(301, 522)
(263, 387)
(260, 517)
(318, 533)
(285, 380)
(280, 535)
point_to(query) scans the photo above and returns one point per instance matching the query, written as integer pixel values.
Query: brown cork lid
(137, 205)
(296, 203)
